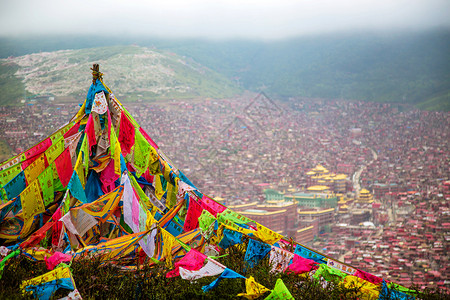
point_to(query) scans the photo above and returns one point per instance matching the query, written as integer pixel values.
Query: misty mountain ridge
(399, 67)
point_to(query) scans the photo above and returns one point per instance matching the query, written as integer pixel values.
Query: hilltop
(139, 72)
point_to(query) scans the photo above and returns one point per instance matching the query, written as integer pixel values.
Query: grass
(95, 280)
(11, 87)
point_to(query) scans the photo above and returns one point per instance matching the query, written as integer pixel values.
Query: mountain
(139, 72)
(402, 67)
(409, 68)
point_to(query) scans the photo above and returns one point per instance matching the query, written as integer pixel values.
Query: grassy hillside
(11, 87)
(397, 67)
(138, 72)
(408, 68)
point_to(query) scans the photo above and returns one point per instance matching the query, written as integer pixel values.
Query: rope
(96, 74)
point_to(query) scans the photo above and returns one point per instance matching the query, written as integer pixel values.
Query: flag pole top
(96, 73)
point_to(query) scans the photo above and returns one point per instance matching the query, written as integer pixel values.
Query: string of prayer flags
(112, 194)
(369, 277)
(280, 292)
(309, 254)
(227, 273)
(253, 289)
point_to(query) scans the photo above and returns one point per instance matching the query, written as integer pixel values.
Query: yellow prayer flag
(35, 169)
(266, 235)
(159, 192)
(32, 203)
(169, 242)
(253, 289)
(58, 273)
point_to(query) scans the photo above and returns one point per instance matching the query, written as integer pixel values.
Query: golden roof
(318, 188)
(340, 177)
(364, 191)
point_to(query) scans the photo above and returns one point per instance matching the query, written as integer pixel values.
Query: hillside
(402, 67)
(141, 73)
(406, 67)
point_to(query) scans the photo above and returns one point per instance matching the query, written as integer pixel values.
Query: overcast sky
(218, 18)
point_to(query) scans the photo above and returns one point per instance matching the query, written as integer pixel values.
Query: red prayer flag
(64, 167)
(126, 134)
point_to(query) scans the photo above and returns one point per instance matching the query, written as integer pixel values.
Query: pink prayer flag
(73, 130)
(369, 277)
(192, 261)
(57, 228)
(301, 265)
(56, 259)
(192, 215)
(212, 206)
(108, 176)
(148, 138)
(90, 131)
(135, 210)
(126, 134)
(39, 148)
(64, 167)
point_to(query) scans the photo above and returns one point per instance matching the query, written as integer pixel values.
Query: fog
(218, 19)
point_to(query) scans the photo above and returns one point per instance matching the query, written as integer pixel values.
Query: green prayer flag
(9, 173)
(54, 150)
(280, 292)
(205, 220)
(46, 183)
(141, 153)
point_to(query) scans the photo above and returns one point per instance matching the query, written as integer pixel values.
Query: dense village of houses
(365, 183)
